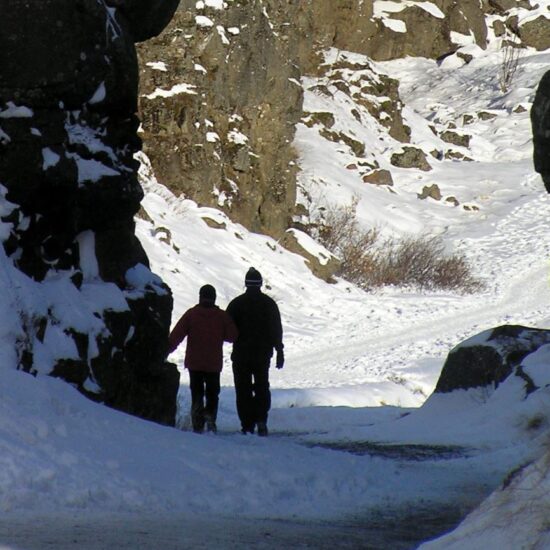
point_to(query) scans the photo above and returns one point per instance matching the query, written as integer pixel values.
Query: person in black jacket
(258, 321)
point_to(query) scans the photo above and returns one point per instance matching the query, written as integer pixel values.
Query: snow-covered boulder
(515, 515)
(68, 195)
(427, 29)
(485, 360)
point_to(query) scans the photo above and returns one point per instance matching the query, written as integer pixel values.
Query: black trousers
(252, 390)
(205, 391)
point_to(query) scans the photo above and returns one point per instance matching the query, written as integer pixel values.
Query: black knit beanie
(253, 278)
(207, 294)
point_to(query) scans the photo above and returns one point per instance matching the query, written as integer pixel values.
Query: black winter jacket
(258, 321)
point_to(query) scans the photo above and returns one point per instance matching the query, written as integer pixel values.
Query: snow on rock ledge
(487, 359)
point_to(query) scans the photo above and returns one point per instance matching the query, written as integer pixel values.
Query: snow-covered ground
(358, 365)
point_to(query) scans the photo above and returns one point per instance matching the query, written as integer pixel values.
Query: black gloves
(280, 359)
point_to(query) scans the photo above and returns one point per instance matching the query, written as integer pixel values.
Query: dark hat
(253, 278)
(207, 293)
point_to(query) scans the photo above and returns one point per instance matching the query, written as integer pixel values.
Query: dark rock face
(490, 357)
(540, 122)
(67, 138)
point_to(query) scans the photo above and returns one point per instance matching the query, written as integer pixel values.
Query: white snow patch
(15, 111)
(139, 277)
(4, 138)
(99, 95)
(215, 4)
(395, 25)
(88, 259)
(181, 88)
(158, 66)
(234, 136)
(49, 158)
(383, 7)
(203, 22)
(91, 170)
(223, 35)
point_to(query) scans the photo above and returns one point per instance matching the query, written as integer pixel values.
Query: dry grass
(370, 261)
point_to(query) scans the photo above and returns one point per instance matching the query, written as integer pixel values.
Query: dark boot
(211, 424)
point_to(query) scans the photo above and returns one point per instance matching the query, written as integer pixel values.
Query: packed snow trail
(526, 301)
(515, 253)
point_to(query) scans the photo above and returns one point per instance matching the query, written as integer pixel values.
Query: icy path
(378, 532)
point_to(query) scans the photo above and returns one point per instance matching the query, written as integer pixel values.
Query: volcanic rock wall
(68, 102)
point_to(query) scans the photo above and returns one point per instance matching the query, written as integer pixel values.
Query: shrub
(510, 56)
(422, 262)
(370, 261)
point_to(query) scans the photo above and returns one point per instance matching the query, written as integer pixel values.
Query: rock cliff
(219, 112)
(221, 95)
(540, 122)
(69, 193)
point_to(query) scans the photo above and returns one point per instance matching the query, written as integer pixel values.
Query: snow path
(378, 532)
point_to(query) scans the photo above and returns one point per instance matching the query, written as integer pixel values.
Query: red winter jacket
(207, 327)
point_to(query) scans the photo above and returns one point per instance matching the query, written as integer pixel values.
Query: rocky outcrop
(520, 28)
(411, 157)
(220, 112)
(434, 24)
(487, 359)
(381, 31)
(540, 123)
(221, 92)
(69, 187)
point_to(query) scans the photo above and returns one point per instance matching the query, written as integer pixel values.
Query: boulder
(452, 200)
(484, 115)
(430, 191)
(411, 157)
(455, 138)
(68, 135)
(322, 263)
(485, 360)
(502, 6)
(379, 177)
(535, 33)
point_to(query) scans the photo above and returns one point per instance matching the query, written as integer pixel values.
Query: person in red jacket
(206, 327)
